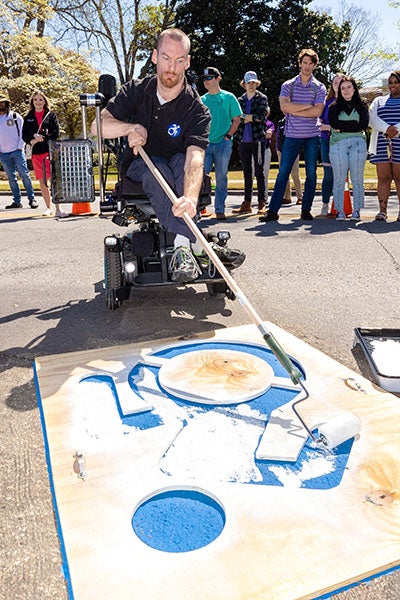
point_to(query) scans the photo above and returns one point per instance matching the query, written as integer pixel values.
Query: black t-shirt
(172, 126)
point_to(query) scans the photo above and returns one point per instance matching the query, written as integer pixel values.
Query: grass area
(235, 178)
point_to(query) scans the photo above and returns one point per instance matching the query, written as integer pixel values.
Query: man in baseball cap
(209, 73)
(225, 118)
(252, 141)
(12, 155)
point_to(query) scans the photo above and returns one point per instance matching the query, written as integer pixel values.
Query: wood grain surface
(278, 543)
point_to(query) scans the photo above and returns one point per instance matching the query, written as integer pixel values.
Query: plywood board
(292, 530)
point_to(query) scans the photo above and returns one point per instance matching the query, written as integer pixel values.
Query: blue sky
(389, 31)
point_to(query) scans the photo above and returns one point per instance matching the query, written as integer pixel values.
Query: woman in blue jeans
(327, 181)
(348, 118)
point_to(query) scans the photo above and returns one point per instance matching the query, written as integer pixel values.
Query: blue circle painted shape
(178, 520)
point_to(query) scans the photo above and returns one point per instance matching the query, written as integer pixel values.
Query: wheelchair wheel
(217, 290)
(229, 294)
(113, 276)
(112, 300)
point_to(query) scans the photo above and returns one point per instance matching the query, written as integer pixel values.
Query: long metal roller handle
(271, 341)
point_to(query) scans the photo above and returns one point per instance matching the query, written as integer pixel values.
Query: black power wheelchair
(141, 257)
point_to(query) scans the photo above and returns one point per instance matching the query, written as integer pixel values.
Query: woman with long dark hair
(348, 118)
(327, 180)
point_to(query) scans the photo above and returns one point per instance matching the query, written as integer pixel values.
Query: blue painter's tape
(65, 567)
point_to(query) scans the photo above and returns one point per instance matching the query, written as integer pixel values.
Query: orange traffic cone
(347, 207)
(80, 208)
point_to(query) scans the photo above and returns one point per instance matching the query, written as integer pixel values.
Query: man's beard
(169, 80)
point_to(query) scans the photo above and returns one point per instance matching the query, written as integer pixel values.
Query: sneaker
(183, 265)
(306, 215)
(33, 204)
(325, 209)
(14, 205)
(47, 213)
(355, 216)
(61, 215)
(340, 216)
(270, 216)
(228, 256)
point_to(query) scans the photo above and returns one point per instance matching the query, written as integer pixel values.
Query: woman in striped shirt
(384, 149)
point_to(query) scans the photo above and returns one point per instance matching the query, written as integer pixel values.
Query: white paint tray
(382, 349)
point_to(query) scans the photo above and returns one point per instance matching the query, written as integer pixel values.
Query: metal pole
(96, 100)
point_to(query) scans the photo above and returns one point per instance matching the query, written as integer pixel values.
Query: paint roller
(331, 434)
(295, 375)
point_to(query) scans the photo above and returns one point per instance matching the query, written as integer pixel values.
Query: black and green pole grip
(294, 373)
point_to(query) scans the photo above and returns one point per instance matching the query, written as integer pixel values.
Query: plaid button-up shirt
(259, 109)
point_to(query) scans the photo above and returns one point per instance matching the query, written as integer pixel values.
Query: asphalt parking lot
(317, 279)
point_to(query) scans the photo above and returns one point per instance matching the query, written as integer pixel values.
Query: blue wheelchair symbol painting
(174, 130)
(219, 442)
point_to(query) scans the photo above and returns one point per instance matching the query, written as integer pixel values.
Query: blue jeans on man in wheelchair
(173, 172)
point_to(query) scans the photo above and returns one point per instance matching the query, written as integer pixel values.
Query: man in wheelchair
(164, 114)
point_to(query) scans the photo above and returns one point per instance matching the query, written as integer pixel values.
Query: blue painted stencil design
(220, 442)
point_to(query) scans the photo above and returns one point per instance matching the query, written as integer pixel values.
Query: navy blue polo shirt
(171, 127)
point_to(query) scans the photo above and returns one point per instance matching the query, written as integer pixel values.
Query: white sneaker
(355, 216)
(183, 265)
(325, 210)
(61, 215)
(340, 216)
(47, 213)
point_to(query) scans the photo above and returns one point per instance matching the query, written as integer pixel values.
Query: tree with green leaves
(32, 63)
(25, 15)
(262, 36)
(120, 32)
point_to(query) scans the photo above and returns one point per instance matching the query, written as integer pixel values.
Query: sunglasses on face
(208, 77)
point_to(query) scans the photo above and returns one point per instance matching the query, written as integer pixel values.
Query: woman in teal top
(348, 118)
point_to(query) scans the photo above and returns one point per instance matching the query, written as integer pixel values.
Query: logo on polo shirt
(174, 130)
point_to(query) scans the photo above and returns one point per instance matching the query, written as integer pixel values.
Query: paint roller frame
(271, 341)
(323, 437)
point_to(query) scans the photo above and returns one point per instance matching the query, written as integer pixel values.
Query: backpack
(280, 128)
(16, 123)
(280, 134)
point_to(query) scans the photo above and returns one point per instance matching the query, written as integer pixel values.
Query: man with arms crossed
(302, 101)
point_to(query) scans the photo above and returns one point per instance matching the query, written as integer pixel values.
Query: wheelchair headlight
(129, 267)
(110, 241)
(223, 236)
